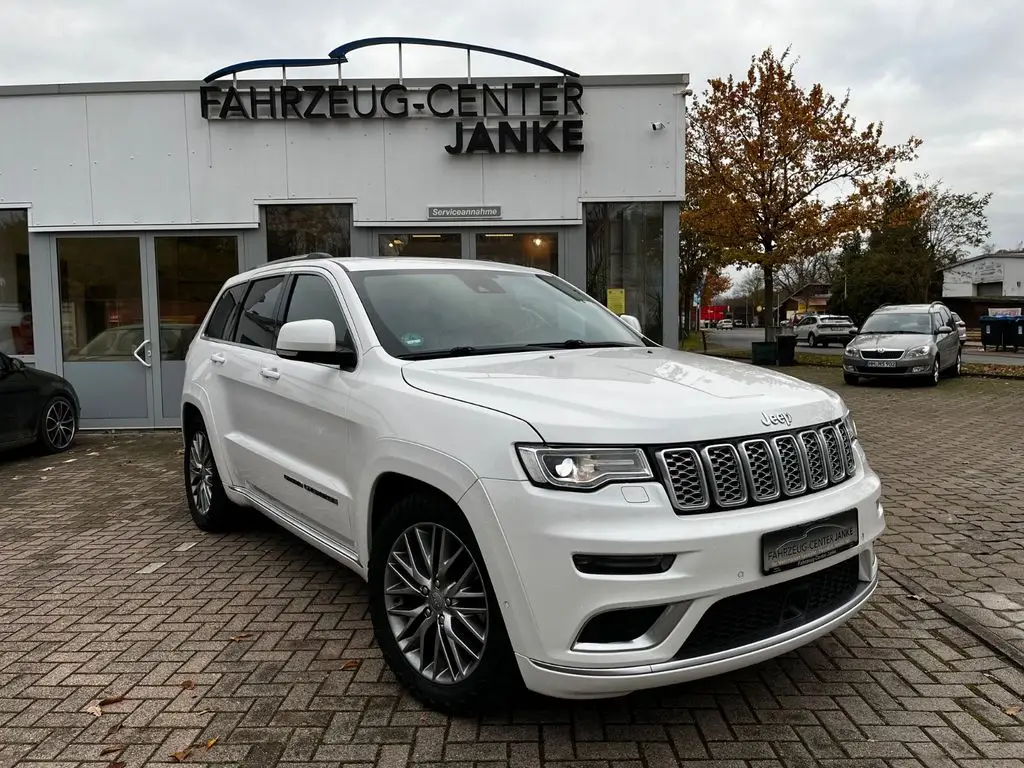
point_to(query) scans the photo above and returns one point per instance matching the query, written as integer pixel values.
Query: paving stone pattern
(257, 641)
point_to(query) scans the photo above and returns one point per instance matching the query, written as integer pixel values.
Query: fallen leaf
(1012, 710)
(181, 755)
(110, 700)
(188, 685)
(117, 765)
(113, 750)
(241, 636)
(204, 712)
(211, 742)
(350, 665)
(94, 709)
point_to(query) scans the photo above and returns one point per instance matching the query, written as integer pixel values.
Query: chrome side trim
(331, 548)
(837, 616)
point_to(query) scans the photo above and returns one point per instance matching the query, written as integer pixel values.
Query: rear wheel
(208, 504)
(959, 365)
(435, 614)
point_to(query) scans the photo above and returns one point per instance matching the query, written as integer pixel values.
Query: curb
(985, 635)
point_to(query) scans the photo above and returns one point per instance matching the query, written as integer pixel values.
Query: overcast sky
(949, 71)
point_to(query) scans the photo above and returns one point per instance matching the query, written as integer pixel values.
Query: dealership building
(124, 206)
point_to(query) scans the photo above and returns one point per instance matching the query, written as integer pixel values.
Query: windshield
(898, 322)
(426, 313)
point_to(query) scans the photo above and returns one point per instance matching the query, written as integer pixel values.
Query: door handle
(270, 373)
(218, 359)
(135, 354)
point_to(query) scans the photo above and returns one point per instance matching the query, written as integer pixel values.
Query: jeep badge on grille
(780, 419)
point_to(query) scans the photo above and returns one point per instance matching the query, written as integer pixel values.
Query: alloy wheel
(200, 472)
(436, 603)
(936, 371)
(60, 424)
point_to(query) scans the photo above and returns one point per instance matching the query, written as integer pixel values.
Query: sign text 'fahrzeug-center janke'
(530, 116)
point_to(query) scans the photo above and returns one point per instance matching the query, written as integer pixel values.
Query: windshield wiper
(464, 352)
(580, 344)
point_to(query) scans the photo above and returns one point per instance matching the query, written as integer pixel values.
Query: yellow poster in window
(617, 300)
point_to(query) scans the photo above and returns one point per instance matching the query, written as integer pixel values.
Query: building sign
(463, 212)
(510, 118)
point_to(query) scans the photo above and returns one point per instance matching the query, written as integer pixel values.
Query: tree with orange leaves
(783, 172)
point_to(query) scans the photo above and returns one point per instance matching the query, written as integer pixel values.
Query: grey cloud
(945, 70)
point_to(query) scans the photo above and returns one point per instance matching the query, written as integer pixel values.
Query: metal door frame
(150, 314)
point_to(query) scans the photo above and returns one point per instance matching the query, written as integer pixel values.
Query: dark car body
(25, 396)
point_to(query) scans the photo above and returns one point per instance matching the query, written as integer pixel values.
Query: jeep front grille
(757, 470)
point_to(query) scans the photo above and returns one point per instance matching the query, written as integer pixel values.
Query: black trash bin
(764, 352)
(1018, 333)
(991, 332)
(787, 349)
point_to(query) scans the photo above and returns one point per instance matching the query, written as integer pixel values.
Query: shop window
(525, 249)
(15, 285)
(421, 245)
(314, 228)
(625, 261)
(190, 273)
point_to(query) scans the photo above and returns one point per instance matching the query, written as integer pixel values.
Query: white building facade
(124, 206)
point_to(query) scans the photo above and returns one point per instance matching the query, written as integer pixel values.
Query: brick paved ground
(259, 642)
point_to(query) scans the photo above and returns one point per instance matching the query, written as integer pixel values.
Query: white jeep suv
(535, 492)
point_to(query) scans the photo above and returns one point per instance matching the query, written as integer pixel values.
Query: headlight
(922, 351)
(851, 352)
(583, 468)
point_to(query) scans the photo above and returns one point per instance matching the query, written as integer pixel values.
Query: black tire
(935, 374)
(811, 341)
(958, 365)
(852, 379)
(495, 677)
(219, 513)
(58, 425)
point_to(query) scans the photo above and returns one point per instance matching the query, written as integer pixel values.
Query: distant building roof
(993, 255)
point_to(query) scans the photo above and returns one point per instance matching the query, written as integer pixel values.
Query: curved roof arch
(340, 55)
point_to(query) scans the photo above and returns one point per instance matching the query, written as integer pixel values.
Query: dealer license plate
(809, 542)
(880, 363)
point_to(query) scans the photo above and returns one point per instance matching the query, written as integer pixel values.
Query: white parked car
(535, 492)
(825, 330)
(725, 325)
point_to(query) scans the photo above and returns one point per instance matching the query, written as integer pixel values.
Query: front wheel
(811, 341)
(434, 612)
(936, 373)
(851, 379)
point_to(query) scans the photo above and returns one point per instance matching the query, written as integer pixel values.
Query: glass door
(105, 347)
(187, 272)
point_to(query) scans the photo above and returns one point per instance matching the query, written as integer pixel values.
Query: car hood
(890, 340)
(629, 395)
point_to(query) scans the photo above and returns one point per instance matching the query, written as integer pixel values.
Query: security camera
(657, 126)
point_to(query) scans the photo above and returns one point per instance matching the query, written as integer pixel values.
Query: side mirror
(943, 330)
(632, 322)
(313, 341)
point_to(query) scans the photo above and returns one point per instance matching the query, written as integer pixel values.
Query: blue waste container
(992, 333)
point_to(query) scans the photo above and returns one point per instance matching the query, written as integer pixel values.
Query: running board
(312, 536)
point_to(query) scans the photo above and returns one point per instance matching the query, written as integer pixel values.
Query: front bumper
(914, 366)
(547, 601)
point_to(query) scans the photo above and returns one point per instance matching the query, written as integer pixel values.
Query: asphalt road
(740, 338)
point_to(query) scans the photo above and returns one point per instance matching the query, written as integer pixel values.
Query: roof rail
(303, 256)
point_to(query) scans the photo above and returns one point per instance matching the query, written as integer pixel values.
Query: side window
(222, 319)
(313, 298)
(256, 324)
